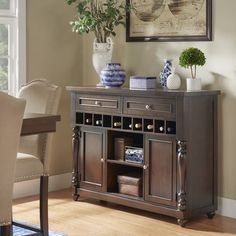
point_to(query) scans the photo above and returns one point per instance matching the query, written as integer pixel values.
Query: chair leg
(44, 205)
(6, 230)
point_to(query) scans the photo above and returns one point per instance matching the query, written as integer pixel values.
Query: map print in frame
(169, 20)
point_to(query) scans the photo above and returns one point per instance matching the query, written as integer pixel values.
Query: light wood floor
(93, 218)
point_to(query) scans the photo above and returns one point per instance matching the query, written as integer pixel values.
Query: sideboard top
(146, 93)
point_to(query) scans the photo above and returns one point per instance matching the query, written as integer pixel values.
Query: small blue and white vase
(112, 75)
(166, 71)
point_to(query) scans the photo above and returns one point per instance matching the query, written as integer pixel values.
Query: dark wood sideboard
(178, 133)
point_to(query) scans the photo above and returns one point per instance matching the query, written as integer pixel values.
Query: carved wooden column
(181, 205)
(75, 172)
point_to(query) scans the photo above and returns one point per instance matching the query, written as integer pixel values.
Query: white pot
(102, 54)
(194, 84)
(173, 81)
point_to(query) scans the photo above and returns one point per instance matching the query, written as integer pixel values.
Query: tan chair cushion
(27, 167)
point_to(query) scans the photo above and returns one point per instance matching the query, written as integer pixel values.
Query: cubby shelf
(125, 163)
(124, 123)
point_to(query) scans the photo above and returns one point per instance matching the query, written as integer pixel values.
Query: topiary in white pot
(191, 58)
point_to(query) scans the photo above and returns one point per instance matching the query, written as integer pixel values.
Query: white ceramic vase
(194, 84)
(102, 54)
(173, 81)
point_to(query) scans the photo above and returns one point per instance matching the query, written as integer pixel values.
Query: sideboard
(177, 131)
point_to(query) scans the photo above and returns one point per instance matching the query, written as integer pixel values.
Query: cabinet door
(160, 174)
(91, 165)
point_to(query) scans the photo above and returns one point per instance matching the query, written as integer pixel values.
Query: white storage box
(142, 82)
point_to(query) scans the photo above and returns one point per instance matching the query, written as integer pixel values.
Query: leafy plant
(98, 16)
(191, 58)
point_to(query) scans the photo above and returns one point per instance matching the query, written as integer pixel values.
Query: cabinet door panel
(160, 176)
(91, 166)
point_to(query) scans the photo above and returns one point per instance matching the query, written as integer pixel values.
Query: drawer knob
(102, 160)
(97, 103)
(145, 167)
(148, 107)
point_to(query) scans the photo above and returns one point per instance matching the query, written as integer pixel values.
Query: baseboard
(226, 207)
(31, 187)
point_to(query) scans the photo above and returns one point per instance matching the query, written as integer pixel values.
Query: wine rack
(127, 123)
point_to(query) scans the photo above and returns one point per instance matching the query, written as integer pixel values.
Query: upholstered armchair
(11, 116)
(34, 153)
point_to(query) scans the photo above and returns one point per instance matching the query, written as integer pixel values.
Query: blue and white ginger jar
(166, 71)
(112, 75)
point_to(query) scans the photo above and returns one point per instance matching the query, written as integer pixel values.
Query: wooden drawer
(150, 107)
(99, 104)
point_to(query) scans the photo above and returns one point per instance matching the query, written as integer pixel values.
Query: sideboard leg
(75, 195)
(210, 215)
(182, 222)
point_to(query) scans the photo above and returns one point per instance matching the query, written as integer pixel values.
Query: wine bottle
(117, 124)
(138, 126)
(149, 127)
(169, 129)
(88, 121)
(98, 122)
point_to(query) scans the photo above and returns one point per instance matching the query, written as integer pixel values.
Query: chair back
(11, 117)
(41, 97)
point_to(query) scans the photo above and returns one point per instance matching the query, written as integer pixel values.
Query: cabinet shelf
(126, 196)
(125, 163)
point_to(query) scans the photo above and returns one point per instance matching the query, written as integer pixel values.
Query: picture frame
(169, 20)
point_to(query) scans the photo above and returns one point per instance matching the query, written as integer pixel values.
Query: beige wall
(53, 52)
(62, 57)
(218, 73)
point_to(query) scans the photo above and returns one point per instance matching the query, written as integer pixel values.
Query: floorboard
(95, 218)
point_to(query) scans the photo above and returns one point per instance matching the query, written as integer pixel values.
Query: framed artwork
(169, 20)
